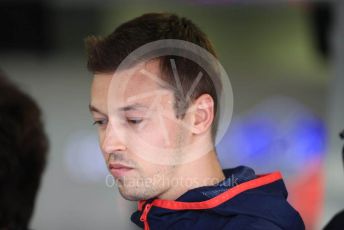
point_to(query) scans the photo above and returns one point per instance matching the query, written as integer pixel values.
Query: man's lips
(119, 170)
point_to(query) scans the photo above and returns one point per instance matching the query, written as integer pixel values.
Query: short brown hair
(23, 154)
(106, 53)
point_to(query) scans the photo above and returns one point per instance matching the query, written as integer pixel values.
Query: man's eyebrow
(133, 107)
(92, 108)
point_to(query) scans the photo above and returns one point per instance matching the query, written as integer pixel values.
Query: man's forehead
(134, 88)
(143, 73)
(144, 104)
(141, 78)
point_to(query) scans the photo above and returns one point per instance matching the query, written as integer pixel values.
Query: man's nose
(113, 141)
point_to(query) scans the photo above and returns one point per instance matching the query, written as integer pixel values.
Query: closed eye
(134, 121)
(100, 122)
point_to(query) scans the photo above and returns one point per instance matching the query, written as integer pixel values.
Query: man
(157, 119)
(23, 152)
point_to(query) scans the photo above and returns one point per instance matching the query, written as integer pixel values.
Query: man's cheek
(151, 134)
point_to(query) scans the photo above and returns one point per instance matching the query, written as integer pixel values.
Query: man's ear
(203, 114)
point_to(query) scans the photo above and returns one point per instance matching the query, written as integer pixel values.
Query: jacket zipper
(144, 216)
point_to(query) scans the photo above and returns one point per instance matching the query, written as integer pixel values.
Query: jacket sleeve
(250, 223)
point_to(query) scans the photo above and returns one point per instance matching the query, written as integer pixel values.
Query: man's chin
(131, 197)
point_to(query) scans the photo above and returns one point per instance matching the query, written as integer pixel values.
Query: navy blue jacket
(243, 201)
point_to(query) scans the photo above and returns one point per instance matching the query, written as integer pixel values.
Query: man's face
(137, 129)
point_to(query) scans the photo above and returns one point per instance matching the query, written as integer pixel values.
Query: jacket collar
(237, 181)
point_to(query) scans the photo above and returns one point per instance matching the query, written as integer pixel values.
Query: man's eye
(134, 121)
(100, 122)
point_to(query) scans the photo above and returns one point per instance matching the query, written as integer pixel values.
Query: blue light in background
(278, 134)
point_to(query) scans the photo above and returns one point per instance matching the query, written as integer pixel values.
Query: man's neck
(204, 171)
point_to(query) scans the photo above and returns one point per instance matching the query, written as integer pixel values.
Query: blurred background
(285, 60)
